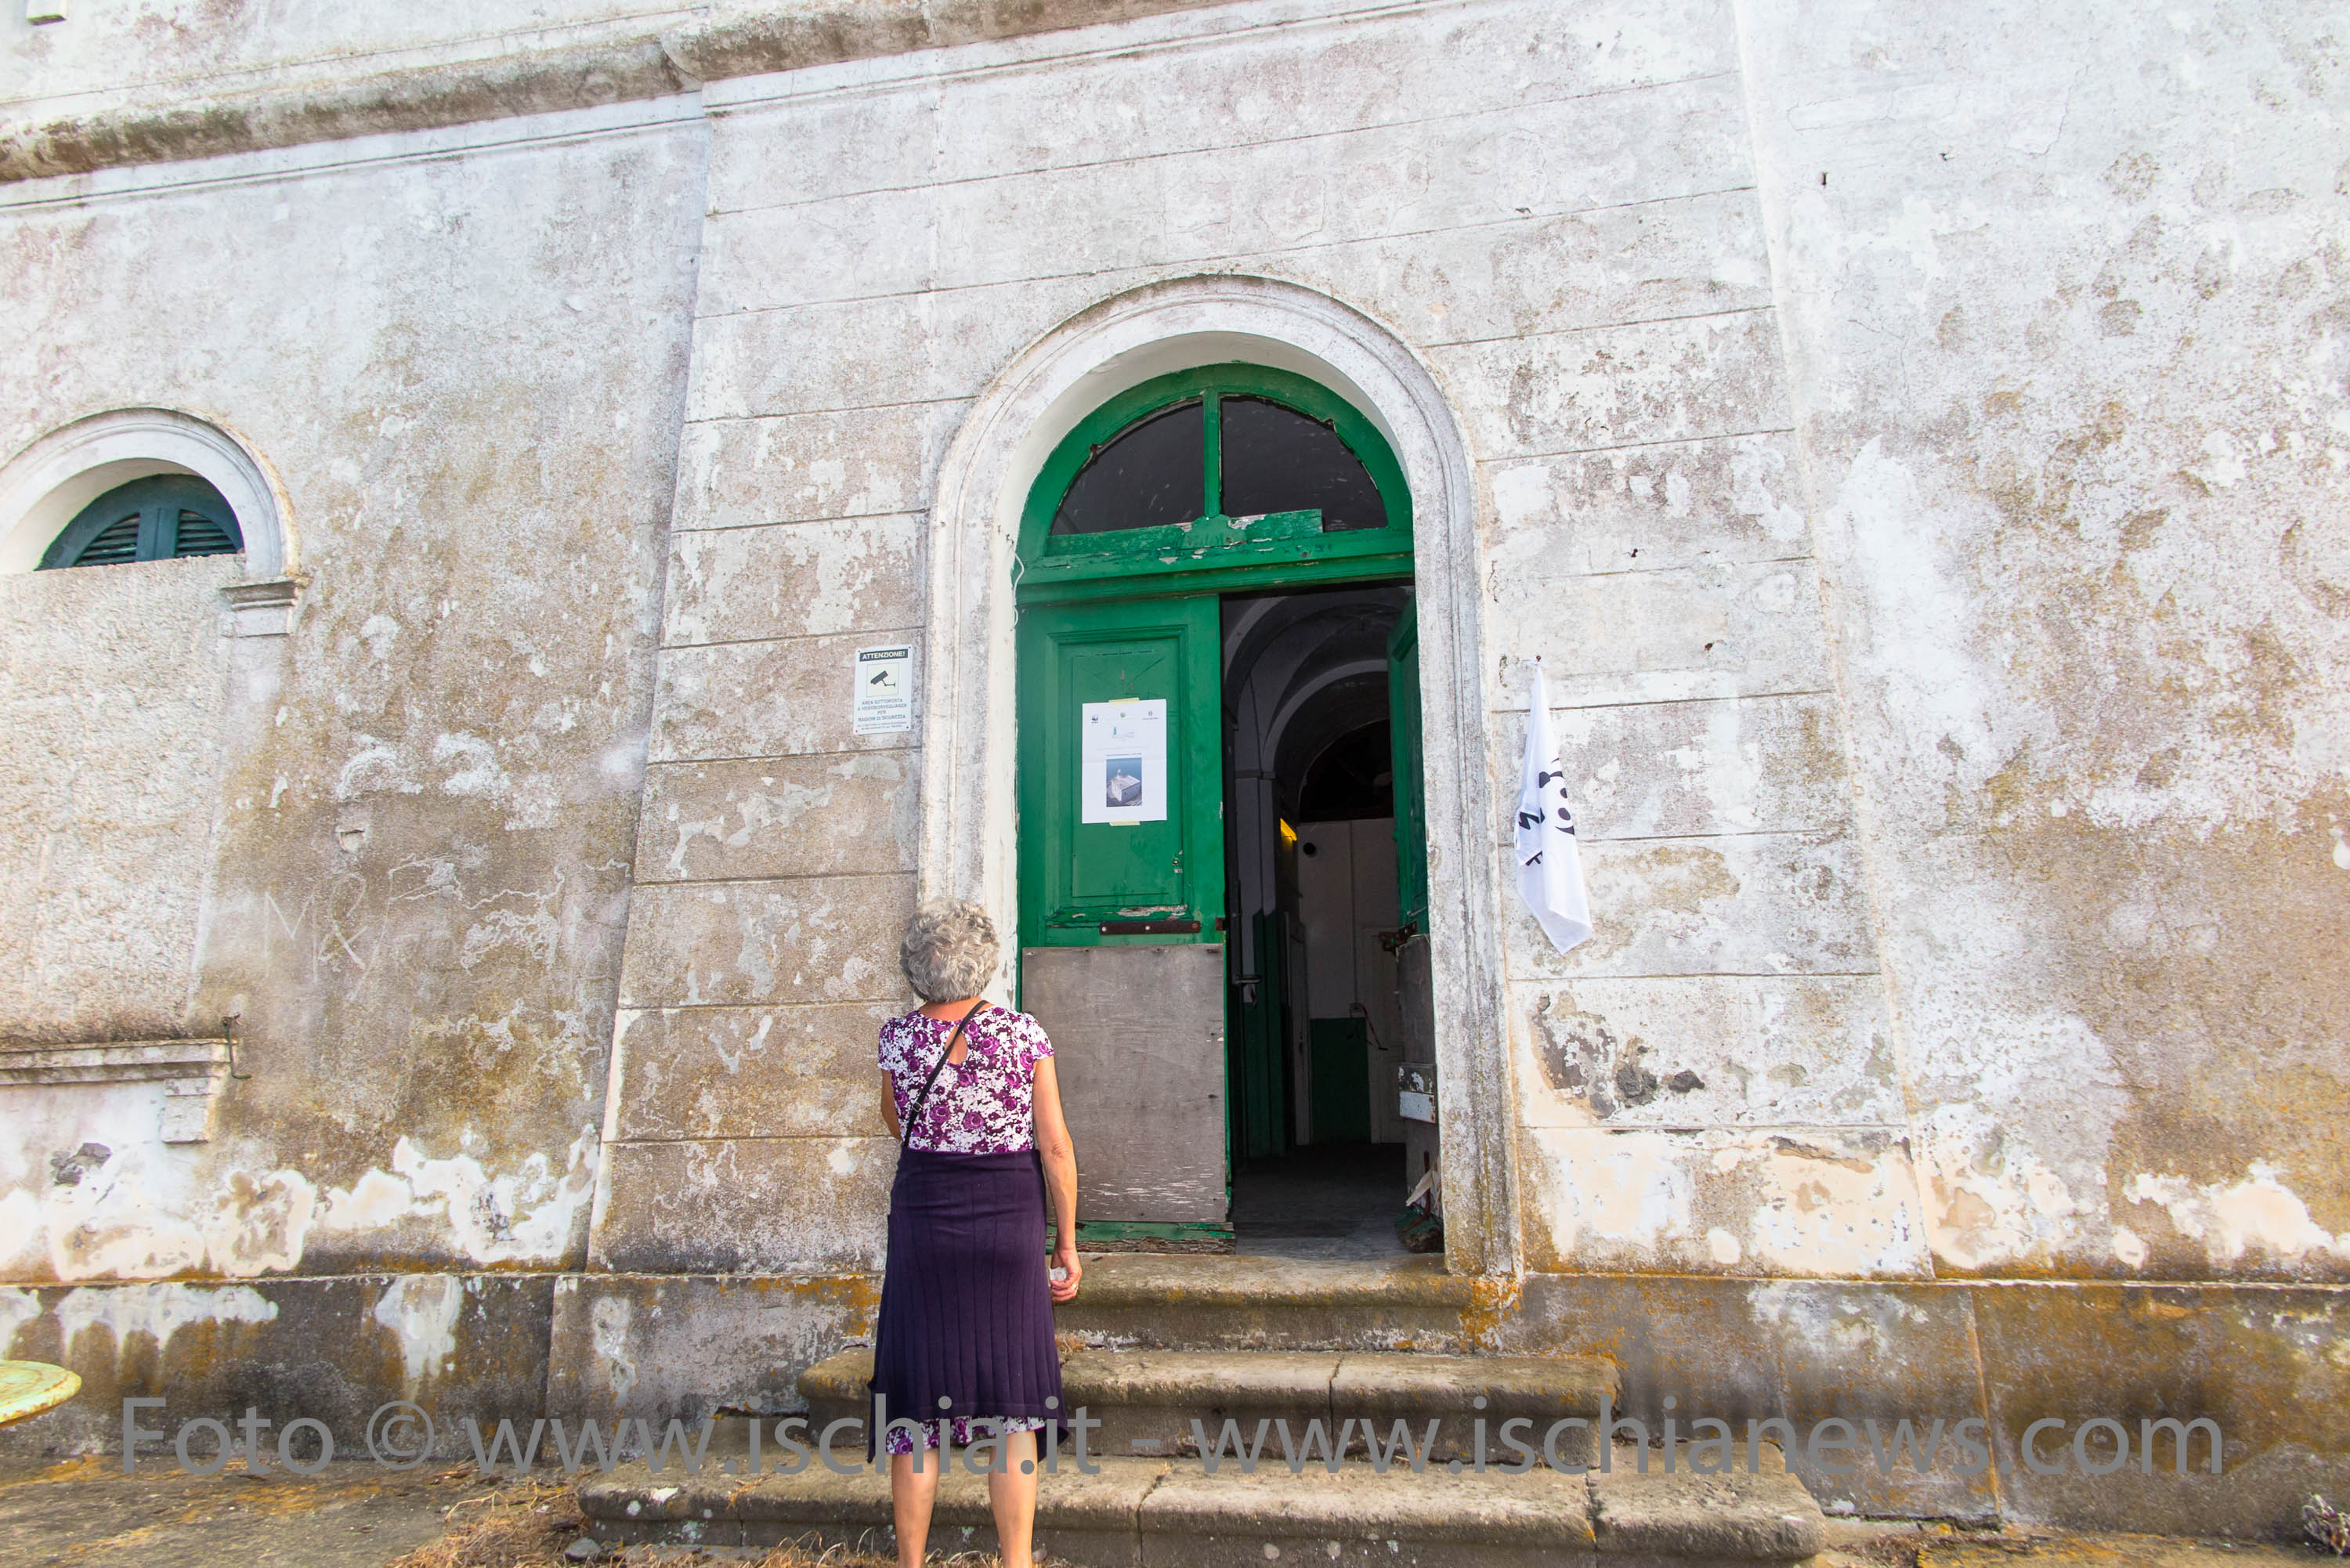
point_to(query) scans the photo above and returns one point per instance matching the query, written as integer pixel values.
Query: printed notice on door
(1122, 760)
(884, 704)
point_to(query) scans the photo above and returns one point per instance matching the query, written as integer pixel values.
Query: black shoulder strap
(922, 1095)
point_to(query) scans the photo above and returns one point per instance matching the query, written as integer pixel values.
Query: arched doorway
(1210, 562)
(968, 706)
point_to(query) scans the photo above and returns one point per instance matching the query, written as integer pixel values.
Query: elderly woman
(965, 1339)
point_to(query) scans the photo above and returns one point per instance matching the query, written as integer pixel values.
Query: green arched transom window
(162, 518)
(1231, 470)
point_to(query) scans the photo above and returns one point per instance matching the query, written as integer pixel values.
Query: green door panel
(1261, 1045)
(1341, 1052)
(1077, 876)
(1411, 796)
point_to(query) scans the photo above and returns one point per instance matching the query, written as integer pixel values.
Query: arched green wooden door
(1227, 479)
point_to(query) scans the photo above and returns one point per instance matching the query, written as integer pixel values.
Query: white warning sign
(884, 704)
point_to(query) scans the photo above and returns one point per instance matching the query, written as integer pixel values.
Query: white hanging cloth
(1550, 866)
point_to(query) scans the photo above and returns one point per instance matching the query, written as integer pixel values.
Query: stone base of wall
(336, 1350)
(2264, 1363)
(684, 1347)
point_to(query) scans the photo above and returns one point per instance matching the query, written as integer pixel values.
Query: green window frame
(167, 516)
(1213, 553)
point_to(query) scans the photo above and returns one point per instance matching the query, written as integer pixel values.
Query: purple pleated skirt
(966, 1306)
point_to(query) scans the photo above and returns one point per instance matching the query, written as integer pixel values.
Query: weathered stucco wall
(112, 85)
(1915, 441)
(885, 238)
(2066, 298)
(111, 690)
(1939, 562)
(466, 369)
(190, 47)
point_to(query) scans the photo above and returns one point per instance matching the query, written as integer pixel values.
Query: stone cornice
(735, 43)
(193, 1073)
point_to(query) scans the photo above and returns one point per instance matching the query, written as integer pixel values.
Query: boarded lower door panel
(1139, 1047)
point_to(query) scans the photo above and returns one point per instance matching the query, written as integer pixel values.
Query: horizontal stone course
(1765, 903)
(750, 1071)
(768, 699)
(843, 814)
(1711, 499)
(1218, 94)
(1702, 1050)
(810, 467)
(1701, 768)
(797, 940)
(1719, 630)
(1786, 1202)
(794, 579)
(743, 1205)
(1525, 388)
(1679, 139)
(1713, 375)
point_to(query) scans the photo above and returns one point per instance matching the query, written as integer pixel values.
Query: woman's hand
(1065, 1258)
(1060, 1158)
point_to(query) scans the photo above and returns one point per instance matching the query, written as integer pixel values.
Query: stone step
(1186, 1302)
(1147, 1400)
(1160, 1513)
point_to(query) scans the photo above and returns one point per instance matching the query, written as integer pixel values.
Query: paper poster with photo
(1122, 760)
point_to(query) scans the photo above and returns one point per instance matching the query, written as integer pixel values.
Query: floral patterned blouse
(984, 1103)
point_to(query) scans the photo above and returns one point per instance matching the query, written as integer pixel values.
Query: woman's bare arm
(1060, 1157)
(889, 1103)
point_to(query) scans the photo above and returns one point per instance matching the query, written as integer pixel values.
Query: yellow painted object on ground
(29, 1388)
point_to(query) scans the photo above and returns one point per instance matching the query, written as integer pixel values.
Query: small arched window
(1226, 453)
(161, 518)
(1230, 468)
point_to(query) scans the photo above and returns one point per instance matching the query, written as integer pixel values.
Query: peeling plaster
(157, 1311)
(611, 1318)
(1810, 1202)
(2260, 1213)
(1993, 1198)
(141, 1214)
(421, 1310)
(17, 1308)
(530, 1216)
(144, 1213)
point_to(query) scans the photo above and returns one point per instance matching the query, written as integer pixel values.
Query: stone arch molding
(969, 816)
(43, 486)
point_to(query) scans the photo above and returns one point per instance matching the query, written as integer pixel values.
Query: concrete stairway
(1155, 1403)
(1141, 1301)
(1154, 1501)
(1145, 1513)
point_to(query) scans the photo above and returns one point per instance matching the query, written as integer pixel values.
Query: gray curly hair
(949, 951)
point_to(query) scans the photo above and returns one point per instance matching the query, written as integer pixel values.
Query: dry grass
(528, 1522)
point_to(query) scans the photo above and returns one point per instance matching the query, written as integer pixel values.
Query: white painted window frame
(45, 486)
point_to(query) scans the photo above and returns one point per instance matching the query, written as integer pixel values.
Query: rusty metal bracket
(228, 1032)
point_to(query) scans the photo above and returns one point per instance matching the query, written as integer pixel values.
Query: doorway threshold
(1233, 1280)
(1203, 1303)
(1332, 1201)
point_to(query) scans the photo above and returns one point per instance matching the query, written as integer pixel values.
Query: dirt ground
(1868, 1543)
(85, 1514)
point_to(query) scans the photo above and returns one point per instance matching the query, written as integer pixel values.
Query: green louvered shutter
(160, 518)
